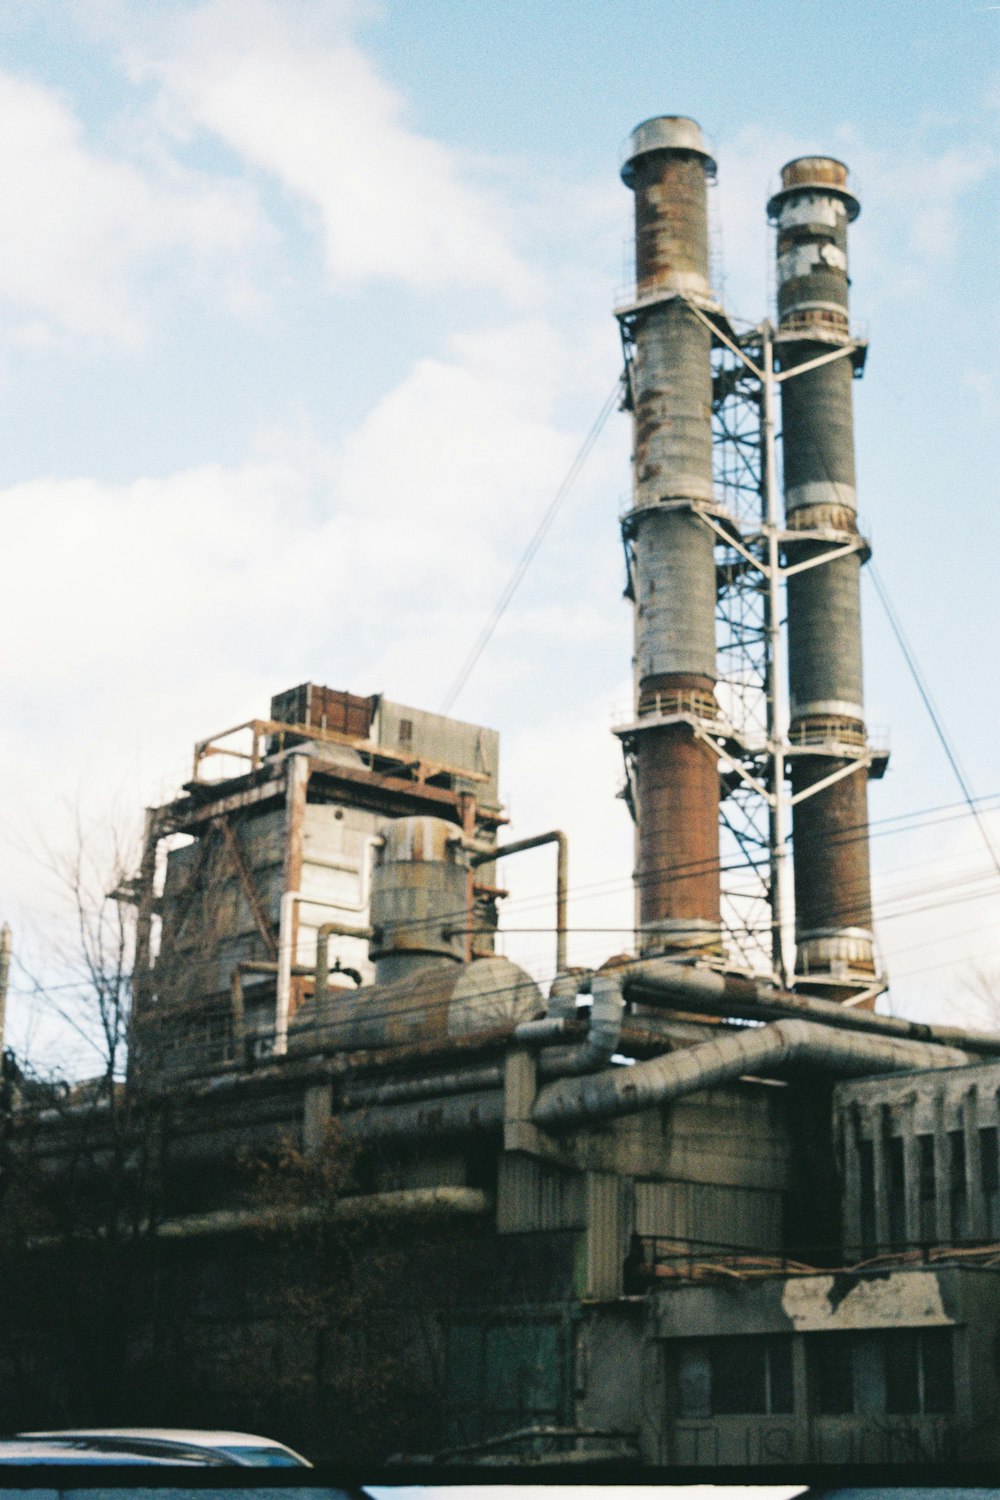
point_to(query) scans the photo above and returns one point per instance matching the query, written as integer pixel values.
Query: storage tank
(438, 1001)
(420, 897)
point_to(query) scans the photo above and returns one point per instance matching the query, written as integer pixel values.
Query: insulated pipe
(556, 836)
(835, 946)
(762, 1050)
(676, 781)
(433, 1085)
(604, 1032)
(463, 1114)
(435, 1202)
(657, 981)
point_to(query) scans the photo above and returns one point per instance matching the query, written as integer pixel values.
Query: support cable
(935, 716)
(510, 588)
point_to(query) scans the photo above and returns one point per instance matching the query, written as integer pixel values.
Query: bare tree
(981, 998)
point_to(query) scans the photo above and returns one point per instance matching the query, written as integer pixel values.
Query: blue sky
(305, 309)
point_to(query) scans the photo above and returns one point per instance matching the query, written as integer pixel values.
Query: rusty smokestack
(835, 952)
(671, 548)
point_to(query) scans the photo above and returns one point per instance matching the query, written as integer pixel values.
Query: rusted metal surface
(833, 903)
(666, 170)
(677, 866)
(325, 708)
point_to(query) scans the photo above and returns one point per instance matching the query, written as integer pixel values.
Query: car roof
(195, 1436)
(48, 1450)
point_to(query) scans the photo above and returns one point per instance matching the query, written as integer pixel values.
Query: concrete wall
(920, 1157)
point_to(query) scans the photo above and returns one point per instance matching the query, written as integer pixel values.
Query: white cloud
(142, 615)
(288, 89)
(81, 229)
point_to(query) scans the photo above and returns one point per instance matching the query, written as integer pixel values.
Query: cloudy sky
(305, 310)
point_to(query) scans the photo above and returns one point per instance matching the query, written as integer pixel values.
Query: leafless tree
(981, 998)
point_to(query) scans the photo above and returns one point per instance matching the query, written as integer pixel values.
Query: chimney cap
(665, 133)
(814, 174)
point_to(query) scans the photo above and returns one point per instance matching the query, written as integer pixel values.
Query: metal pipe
(555, 836)
(658, 981)
(761, 1050)
(672, 549)
(323, 936)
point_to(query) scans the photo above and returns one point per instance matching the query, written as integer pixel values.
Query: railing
(664, 1259)
(262, 730)
(834, 731)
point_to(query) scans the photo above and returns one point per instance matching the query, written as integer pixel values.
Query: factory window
(928, 1205)
(904, 1372)
(734, 1376)
(990, 1177)
(866, 1165)
(405, 731)
(960, 1229)
(502, 1376)
(897, 1193)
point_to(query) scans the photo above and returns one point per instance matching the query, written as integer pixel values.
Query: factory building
(684, 1208)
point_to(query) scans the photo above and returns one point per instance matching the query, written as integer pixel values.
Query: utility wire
(935, 717)
(510, 588)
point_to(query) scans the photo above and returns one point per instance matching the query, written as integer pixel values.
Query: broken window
(735, 1376)
(904, 1372)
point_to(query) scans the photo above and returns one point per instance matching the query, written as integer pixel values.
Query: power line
(510, 588)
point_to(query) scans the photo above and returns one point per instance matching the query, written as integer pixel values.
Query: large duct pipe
(736, 996)
(835, 951)
(676, 774)
(761, 1050)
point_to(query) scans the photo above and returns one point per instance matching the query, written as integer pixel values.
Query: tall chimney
(676, 783)
(835, 955)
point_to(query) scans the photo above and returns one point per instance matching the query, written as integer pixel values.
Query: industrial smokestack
(835, 955)
(676, 779)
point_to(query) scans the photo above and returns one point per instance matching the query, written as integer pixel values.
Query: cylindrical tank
(676, 774)
(437, 1002)
(420, 891)
(835, 954)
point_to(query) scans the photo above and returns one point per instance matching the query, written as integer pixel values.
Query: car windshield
(271, 1458)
